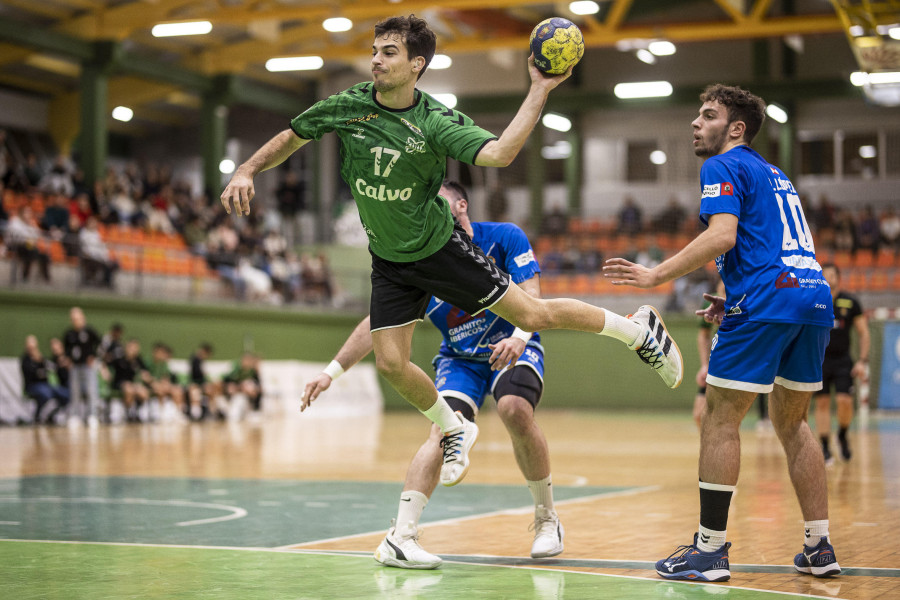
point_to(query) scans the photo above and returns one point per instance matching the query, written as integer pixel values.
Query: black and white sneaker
(656, 347)
(405, 552)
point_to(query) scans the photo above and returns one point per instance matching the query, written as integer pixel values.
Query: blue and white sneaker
(455, 447)
(689, 562)
(819, 561)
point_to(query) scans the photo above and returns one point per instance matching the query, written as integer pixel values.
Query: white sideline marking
(236, 511)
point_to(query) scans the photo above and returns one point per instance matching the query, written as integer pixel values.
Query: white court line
(511, 511)
(10, 522)
(368, 557)
(236, 511)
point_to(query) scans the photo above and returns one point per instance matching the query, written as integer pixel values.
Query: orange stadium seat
(842, 259)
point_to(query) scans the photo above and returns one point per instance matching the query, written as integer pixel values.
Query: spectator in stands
(71, 241)
(889, 226)
(164, 383)
(647, 252)
(316, 278)
(81, 341)
(195, 235)
(97, 262)
(844, 231)
(59, 179)
(4, 216)
(130, 379)
(256, 283)
(243, 386)
(555, 222)
(124, 206)
(291, 197)
(56, 216)
(157, 210)
(571, 256)
(23, 238)
(630, 217)
(61, 363)
(285, 271)
(869, 236)
(202, 390)
(671, 218)
(32, 172)
(590, 259)
(80, 206)
(38, 374)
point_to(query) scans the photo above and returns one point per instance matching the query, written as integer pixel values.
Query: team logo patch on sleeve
(727, 189)
(524, 258)
(712, 191)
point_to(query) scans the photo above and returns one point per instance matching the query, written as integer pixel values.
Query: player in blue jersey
(775, 323)
(479, 355)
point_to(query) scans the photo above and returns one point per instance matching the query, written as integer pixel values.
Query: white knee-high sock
(620, 328)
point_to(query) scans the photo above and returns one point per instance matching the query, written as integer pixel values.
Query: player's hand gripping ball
(557, 44)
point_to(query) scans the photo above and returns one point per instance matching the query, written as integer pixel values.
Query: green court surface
(230, 512)
(47, 571)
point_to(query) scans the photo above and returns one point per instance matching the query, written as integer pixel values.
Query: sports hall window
(861, 155)
(817, 156)
(640, 167)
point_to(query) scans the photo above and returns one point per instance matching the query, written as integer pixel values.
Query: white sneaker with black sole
(405, 552)
(656, 347)
(548, 533)
(455, 447)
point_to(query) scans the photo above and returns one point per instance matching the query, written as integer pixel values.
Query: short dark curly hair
(741, 106)
(418, 38)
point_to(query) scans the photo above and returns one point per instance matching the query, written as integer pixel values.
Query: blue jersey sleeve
(519, 262)
(722, 191)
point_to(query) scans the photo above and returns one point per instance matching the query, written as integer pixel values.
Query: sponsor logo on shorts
(524, 258)
(489, 296)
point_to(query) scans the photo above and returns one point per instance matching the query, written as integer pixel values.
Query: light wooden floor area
(653, 455)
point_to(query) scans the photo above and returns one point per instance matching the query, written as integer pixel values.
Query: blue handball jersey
(467, 336)
(771, 274)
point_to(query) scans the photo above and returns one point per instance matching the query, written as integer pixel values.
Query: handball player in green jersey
(395, 141)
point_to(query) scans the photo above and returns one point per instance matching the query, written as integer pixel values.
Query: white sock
(443, 416)
(542, 492)
(709, 540)
(617, 326)
(815, 530)
(412, 504)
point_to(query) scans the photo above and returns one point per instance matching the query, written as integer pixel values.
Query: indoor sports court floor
(293, 508)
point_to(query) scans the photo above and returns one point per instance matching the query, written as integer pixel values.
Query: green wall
(582, 370)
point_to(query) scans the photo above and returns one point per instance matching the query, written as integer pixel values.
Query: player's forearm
(273, 153)
(501, 152)
(357, 346)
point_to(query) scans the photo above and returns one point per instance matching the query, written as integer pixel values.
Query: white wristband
(521, 335)
(334, 370)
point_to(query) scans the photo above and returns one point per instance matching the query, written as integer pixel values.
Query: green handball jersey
(394, 161)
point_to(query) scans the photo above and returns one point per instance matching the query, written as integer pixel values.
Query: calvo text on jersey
(382, 193)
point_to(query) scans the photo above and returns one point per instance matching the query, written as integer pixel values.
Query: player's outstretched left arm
(718, 238)
(508, 350)
(357, 346)
(501, 152)
(239, 191)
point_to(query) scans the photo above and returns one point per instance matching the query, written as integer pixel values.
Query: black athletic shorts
(459, 274)
(836, 372)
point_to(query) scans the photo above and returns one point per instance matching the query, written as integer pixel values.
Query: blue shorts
(752, 356)
(471, 380)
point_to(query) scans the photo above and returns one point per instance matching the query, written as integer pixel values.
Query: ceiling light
(295, 63)
(337, 24)
(189, 28)
(226, 166)
(894, 32)
(122, 113)
(777, 113)
(856, 30)
(557, 122)
(440, 61)
(658, 157)
(661, 48)
(860, 78)
(646, 56)
(584, 7)
(643, 89)
(448, 100)
(867, 151)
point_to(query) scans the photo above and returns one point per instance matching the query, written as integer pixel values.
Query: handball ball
(557, 44)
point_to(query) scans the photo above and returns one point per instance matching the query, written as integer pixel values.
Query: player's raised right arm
(239, 191)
